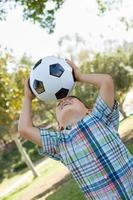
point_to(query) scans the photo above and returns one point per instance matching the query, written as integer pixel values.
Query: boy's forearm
(96, 79)
(25, 119)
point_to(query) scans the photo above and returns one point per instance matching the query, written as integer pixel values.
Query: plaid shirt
(94, 153)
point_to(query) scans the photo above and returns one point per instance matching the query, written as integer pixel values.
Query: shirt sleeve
(50, 143)
(103, 112)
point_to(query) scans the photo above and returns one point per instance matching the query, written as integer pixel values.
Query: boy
(88, 142)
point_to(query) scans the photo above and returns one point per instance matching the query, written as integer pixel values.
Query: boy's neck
(72, 121)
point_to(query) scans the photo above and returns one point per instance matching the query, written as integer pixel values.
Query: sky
(75, 16)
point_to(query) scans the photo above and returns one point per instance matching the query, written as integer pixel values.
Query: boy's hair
(75, 97)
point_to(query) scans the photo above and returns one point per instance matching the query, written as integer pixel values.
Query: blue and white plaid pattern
(94, 153)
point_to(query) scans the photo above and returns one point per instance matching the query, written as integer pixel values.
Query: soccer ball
(51, 78)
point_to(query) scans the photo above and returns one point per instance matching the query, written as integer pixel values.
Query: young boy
(88, 142)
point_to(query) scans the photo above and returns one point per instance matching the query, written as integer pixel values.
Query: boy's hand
(76, 70)
(27, 91)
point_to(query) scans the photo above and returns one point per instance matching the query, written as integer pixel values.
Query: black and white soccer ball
(51, 78)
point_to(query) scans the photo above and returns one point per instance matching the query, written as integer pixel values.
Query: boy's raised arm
(105, 84)
(103, 81)
(25, 126)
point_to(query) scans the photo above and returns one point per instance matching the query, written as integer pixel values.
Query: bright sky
(76, 16)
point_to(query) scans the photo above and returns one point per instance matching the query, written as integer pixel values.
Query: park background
(98, 36)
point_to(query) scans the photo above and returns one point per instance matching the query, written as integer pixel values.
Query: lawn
(46, 171)
(66, 189)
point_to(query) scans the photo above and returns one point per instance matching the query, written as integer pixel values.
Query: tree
(40, 11)
(71, 46)
(43, 11)
(118, 65)
(12, 92)
(106, 5)
(25, 155)
(117, 62)
(5, 91)
(11, 97)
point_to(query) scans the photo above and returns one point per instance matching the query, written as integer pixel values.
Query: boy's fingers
(67, 60)
(70, 63)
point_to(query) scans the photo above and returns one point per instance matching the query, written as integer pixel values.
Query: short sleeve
(50, 143)
(102, 111)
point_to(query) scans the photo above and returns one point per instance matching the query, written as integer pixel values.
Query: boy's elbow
(108, 78)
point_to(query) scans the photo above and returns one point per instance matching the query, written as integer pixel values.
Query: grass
(67, 189)
(16, 164)
(130, 148)
(44, 171)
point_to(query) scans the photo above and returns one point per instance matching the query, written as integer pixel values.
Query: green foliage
(6, 92)
(15, 162)
(12, 93)
(119, 64)
(101, 6)
(13, 157)
(43, 11)
(32, 151)
(11, 90)
(40, 11)
(106, 5)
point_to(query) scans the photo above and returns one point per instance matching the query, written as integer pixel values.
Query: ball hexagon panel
(62, 93)
(56, 70)
(38, 86)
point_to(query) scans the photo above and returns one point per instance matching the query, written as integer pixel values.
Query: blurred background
(98, 36)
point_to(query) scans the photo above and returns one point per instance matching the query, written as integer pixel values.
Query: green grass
(45, 172)
(130, 148)
(15, 162)
(17, 194)
(68, 191)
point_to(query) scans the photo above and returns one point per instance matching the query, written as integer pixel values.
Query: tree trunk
(25, 156)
